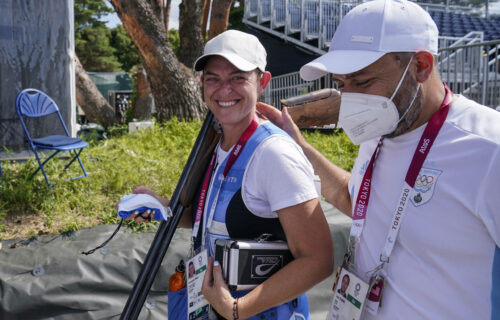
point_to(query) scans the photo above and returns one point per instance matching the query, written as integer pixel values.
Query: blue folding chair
(33, 103)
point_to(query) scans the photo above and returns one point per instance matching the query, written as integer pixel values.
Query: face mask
(367, 116)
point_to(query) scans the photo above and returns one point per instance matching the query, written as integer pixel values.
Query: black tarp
(48, 278)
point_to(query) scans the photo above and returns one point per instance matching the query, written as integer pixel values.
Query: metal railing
(471, 69)
(307, 23)
(312, 23)
(290, 85)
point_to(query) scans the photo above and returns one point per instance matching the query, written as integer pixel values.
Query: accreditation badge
(198, 306)
(349, 295)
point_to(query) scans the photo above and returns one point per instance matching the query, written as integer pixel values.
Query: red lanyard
(233, 156)
(428, 137)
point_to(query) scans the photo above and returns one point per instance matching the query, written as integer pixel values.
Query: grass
(154, 157)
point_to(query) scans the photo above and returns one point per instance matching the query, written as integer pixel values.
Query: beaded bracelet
(235, 309)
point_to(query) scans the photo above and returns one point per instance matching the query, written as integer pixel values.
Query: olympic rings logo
(424, 180)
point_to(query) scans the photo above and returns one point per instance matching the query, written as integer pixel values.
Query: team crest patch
(424, 186)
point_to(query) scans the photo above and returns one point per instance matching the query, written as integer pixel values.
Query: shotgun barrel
(166, 230)
(317, 108)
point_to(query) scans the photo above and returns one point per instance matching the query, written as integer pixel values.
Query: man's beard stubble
(402, 100)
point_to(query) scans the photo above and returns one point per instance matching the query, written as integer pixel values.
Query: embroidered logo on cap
(362, 39)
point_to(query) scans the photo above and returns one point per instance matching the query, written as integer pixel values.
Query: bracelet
(235, 309)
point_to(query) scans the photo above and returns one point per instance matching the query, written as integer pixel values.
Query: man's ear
(264, 80)
(425, 64)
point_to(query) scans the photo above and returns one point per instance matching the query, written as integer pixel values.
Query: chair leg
(81, 164)
(77, 156)
(40, 166)
(74, 158)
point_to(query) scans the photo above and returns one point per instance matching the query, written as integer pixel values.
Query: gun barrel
(165, 232)
(315, 109)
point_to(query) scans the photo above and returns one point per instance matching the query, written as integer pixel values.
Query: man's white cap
(243, 50)
(371, 30)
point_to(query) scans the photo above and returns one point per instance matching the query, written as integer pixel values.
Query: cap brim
(339, 62)
(235, 60)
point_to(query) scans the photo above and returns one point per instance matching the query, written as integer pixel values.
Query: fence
(311, 23)
(471, 69)
(307, 23)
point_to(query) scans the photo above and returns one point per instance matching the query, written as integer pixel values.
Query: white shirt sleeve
(277, 176)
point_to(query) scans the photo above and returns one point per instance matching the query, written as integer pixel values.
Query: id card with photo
(198, 307)
(349, 297)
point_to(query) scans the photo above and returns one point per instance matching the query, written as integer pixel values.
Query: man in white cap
(423, 192)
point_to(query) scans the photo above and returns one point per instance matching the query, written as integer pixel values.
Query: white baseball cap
(371, 30)
(243, 50)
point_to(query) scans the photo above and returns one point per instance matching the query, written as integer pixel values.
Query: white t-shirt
(277, 176)
(443, 264)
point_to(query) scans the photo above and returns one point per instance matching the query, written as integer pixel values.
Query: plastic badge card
(198, 307)
(348, 297)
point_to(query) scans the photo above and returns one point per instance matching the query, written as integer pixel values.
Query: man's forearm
(334, 180)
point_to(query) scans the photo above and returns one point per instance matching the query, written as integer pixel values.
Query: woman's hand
(216, 290)
(147, 215)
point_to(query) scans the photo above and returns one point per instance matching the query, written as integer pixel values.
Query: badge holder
(198, 306)
(349, 291)
(377, 282)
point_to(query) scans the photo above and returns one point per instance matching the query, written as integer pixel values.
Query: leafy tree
(174, 40)
(125, 50)
(175, 87)
(92, 38)
(93, 47)
(236, 18)
(88, 13)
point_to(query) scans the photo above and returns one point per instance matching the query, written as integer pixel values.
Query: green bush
(335, 146)
(153, 157)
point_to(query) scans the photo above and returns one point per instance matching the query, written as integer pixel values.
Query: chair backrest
(33, 103)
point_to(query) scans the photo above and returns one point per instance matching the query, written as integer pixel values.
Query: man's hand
(216, 290)
(281, 119)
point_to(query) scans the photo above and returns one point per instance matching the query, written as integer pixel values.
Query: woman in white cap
(264, 185)
(268, 189)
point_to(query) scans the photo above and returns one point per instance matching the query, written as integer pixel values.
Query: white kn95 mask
(367, 116)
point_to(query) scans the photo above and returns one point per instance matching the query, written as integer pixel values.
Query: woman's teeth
(227, 103)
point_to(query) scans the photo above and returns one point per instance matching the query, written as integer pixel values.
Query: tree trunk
(219, 17)
(96, 107)
(175, 88)
(144, 102)
(163, 12)
(190, 32)
(166, 14)
(204, 20)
